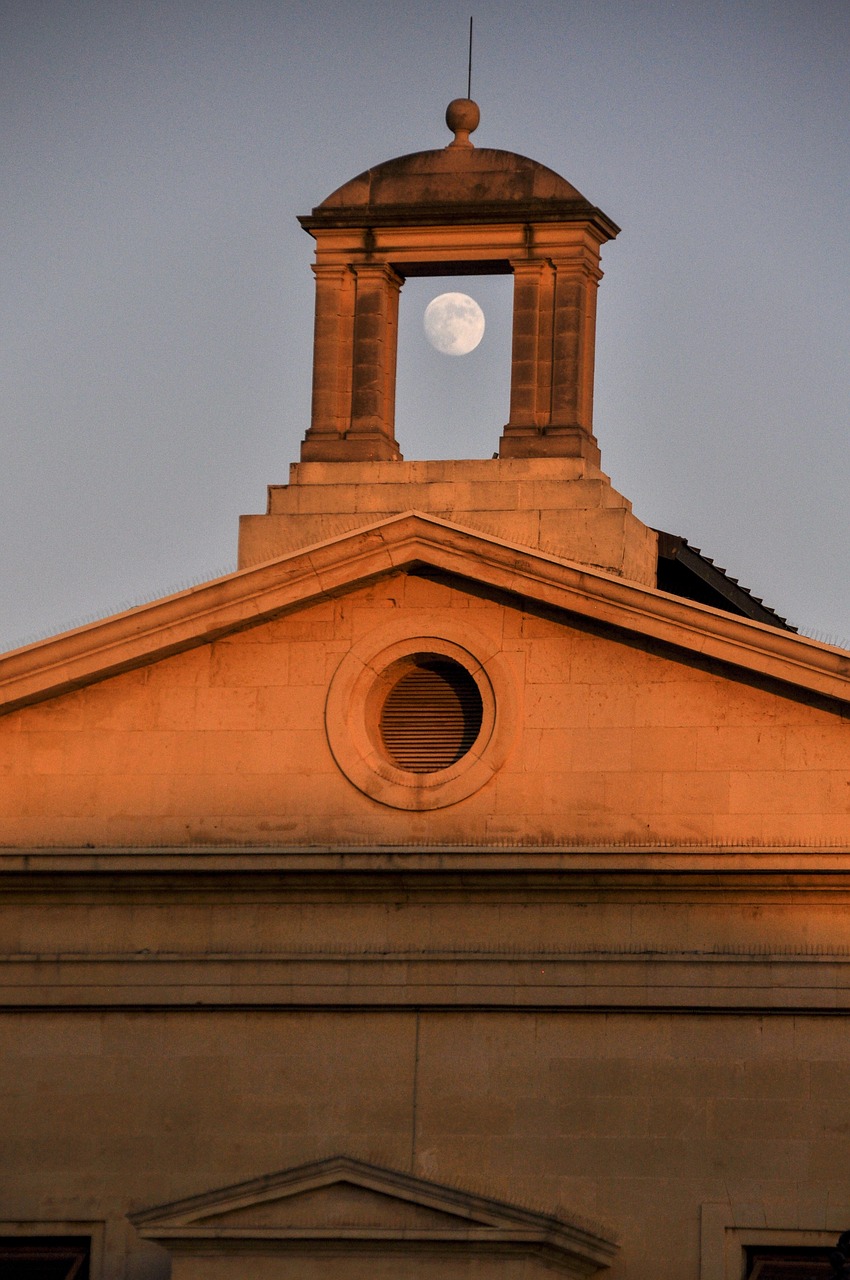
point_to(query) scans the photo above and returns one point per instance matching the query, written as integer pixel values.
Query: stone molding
(404, 543)
(672, 983)
(560, 506)
(345, 1201)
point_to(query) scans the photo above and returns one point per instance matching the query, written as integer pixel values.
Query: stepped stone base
(564, 506)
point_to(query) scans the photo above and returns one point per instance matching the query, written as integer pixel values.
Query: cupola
(459, 210)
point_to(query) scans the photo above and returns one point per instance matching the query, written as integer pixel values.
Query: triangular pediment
(345, 1199)
(412, 541)
(339, 1204)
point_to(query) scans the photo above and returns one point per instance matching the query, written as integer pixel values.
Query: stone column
(354, 365)
(573, 345)
(333, 336)
(372, 428)
(552, 362)
(531, 346)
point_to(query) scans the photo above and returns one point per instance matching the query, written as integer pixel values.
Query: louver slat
(431, 716)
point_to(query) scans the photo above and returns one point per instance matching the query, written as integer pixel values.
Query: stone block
(695, 793)
(774, 791)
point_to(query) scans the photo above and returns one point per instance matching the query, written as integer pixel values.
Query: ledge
(672, 983)
(780, 867)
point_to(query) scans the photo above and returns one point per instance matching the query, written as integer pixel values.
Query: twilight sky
(156, 300)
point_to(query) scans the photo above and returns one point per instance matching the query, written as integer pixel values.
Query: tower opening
(453, 406)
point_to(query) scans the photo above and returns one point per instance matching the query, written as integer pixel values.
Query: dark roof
(684, 571)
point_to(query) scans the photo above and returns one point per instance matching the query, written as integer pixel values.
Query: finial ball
(462, 117)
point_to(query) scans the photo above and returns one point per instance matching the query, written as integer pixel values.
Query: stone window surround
(726, 1230)
(24, 1230)
(350, 711)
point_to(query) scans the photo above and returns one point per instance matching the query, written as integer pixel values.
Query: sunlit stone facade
(434, 896)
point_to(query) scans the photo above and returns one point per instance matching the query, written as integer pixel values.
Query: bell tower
(460, 210)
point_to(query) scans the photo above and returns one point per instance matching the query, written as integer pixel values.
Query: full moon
(454, 324)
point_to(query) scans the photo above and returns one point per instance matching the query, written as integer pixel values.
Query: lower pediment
(344, 1208)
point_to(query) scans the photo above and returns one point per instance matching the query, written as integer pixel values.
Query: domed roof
(453, 176)
(458, 183)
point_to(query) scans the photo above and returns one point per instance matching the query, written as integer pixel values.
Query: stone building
(459, 889)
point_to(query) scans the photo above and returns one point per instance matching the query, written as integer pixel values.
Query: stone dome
(454, 176)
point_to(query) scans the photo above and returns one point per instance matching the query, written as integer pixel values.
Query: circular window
(419, 721)
(431, 714)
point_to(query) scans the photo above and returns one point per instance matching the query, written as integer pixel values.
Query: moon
(454, 324)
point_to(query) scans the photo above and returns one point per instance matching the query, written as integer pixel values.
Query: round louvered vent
(431, 715)
(419, 722)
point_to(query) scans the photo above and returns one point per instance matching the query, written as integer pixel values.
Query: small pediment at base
(366, 1206)
(340, 1205)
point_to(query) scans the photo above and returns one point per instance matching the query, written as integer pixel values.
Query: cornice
(250, 596)
(778, 867)
(506, 213)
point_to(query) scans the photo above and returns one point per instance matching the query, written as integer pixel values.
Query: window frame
(44, 1231)
(729, 1232)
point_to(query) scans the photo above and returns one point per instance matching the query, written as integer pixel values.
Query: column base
(549, 442)
(360, 446)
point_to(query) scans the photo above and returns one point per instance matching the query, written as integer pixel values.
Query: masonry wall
(635, 1119)
(612, 981)
(663, 1050)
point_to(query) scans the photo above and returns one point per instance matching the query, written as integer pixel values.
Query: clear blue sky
(156, 294)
